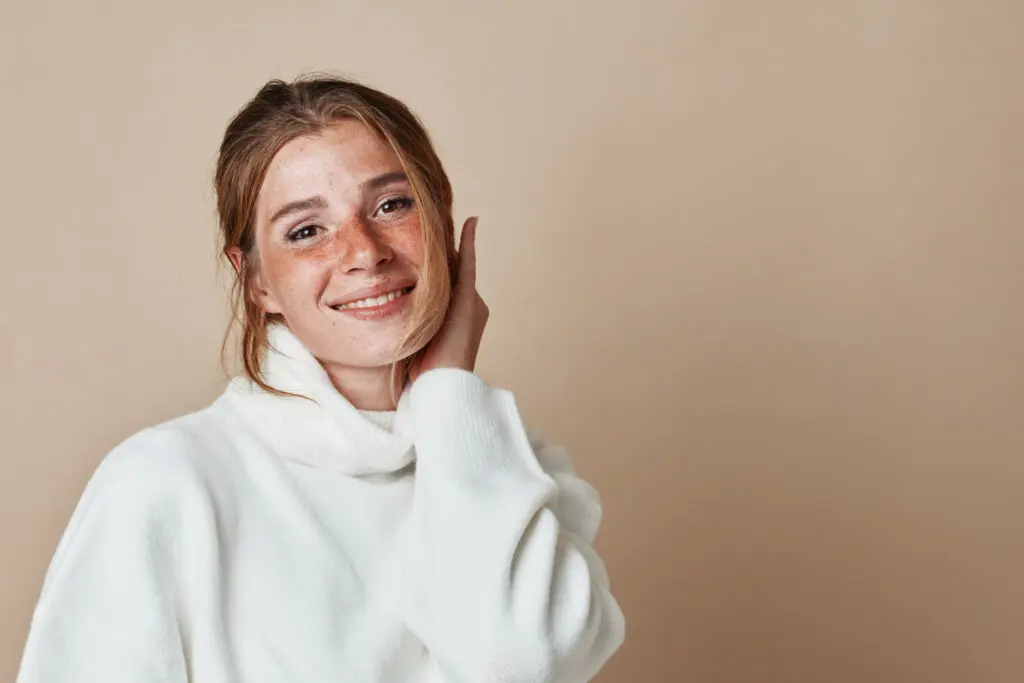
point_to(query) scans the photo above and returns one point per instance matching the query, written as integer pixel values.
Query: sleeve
(107, 608)
(502, 582)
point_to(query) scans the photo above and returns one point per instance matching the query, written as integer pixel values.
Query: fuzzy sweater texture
(270, 539)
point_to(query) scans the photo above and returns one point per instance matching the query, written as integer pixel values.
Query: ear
(255, 288)
(235, 256)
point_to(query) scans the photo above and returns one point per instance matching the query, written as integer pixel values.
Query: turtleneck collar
(329, 434)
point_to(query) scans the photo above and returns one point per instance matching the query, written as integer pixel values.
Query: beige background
(758, 265)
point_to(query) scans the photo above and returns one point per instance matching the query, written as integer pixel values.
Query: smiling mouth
(373, 301)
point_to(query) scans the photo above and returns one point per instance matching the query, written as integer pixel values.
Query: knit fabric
(266, 539)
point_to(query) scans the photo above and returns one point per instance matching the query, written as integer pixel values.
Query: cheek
(295, 280)
(408, 241)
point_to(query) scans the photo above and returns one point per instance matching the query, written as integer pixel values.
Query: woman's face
(339, 244)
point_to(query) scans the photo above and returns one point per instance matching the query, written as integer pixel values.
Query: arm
(106, 612)
(503, 582)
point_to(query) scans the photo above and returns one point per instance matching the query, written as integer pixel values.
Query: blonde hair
(281, 112)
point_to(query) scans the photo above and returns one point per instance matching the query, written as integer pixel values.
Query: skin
(359, 235)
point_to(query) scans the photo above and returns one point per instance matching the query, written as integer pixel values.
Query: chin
(367, 357)
(358, 344)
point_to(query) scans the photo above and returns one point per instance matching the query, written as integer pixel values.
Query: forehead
(332, 162)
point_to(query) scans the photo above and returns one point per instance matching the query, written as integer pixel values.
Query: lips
(373, 291)
(373, 301)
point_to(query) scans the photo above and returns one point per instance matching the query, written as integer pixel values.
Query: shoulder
(147, 497)
(146, 494)
(168, 464)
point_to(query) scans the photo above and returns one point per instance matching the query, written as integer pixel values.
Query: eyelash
(293, 235)
(404, 203)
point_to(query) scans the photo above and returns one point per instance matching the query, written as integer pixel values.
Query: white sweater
(266, 539)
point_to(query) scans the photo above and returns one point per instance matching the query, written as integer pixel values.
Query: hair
(281, 112)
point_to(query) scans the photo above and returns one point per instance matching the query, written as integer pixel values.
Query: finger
(467, 252)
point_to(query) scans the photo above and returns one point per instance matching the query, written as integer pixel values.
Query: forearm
(500, 590)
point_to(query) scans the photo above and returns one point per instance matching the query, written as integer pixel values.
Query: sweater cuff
(470, 425)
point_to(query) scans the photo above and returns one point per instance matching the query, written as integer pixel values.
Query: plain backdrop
(756, 265)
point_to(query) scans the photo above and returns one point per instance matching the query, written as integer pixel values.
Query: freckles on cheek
(409, 242)
(276, 271)
(293, 280)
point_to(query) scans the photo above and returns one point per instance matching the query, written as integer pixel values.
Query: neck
(365, 388)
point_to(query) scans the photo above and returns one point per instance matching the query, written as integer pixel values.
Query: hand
(458, 341)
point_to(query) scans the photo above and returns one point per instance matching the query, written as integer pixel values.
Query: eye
(303, 232)
(394, 205)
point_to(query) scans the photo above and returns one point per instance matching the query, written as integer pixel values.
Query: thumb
(467, 254)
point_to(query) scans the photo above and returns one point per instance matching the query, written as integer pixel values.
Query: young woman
(359, 505)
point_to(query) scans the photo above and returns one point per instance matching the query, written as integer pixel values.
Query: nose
(360, 247)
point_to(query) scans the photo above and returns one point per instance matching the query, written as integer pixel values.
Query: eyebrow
(319, 202)
(383, 180)
(316, 202)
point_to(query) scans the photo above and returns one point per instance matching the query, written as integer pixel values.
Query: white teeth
(373, 301)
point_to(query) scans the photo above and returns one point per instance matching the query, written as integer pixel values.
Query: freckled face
(339, 244)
